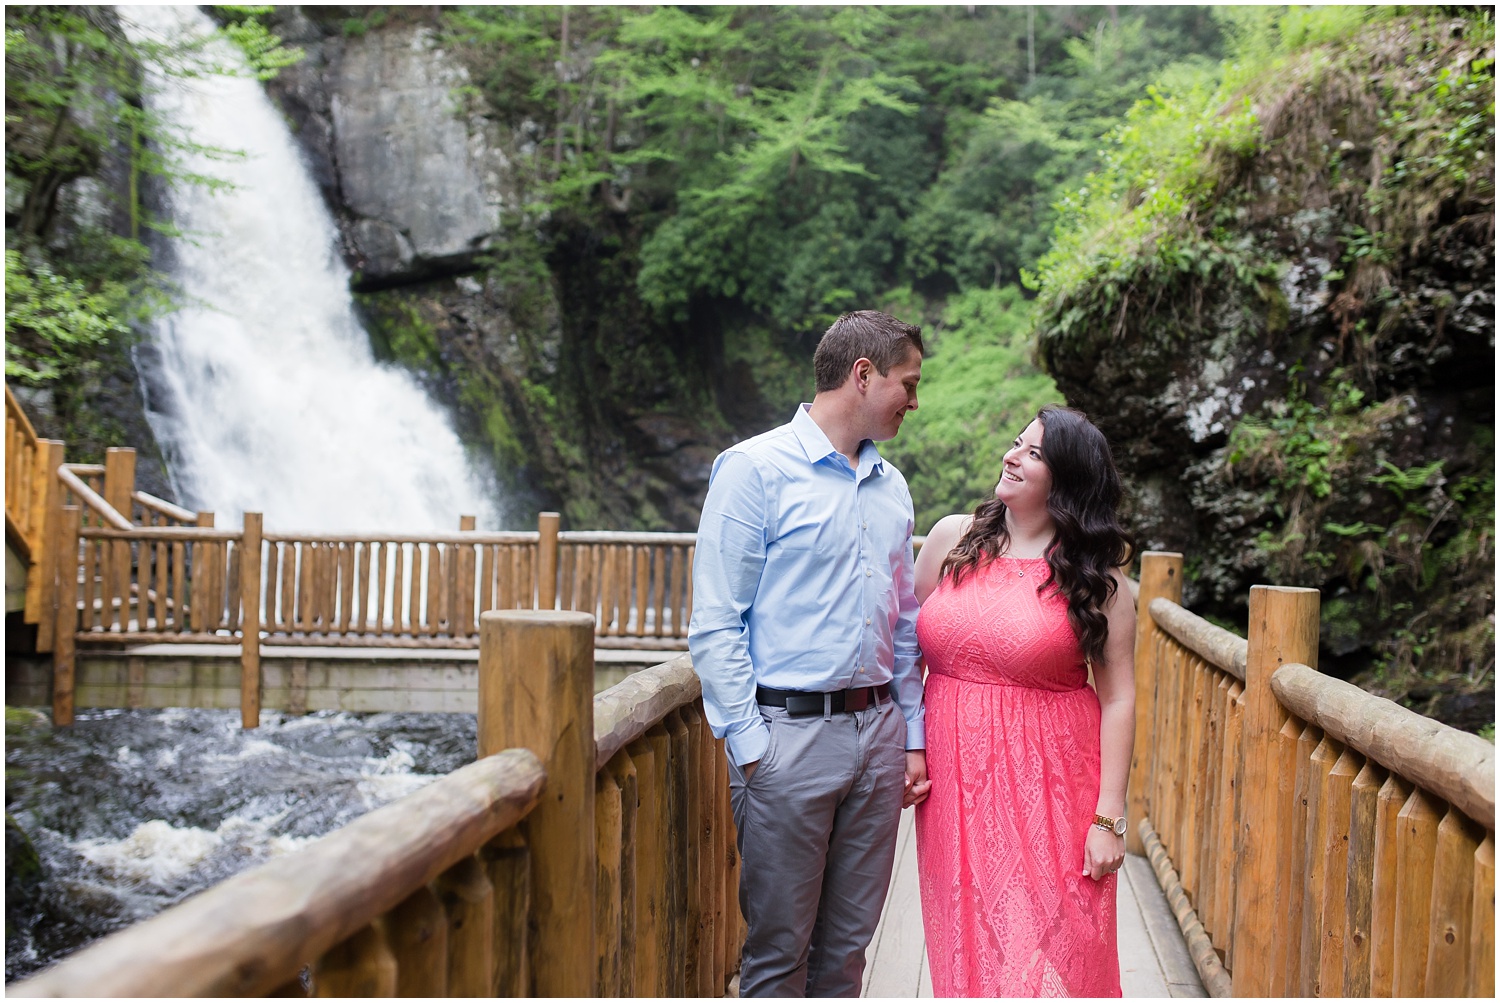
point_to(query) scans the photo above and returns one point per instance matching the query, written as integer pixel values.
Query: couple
(806, 635)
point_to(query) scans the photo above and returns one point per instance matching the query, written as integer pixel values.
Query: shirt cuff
(749, 744)
(916, 735)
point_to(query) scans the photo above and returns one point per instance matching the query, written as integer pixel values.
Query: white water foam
(157, 854)
(274, 401)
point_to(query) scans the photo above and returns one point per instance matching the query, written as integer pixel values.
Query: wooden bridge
(1311, 839)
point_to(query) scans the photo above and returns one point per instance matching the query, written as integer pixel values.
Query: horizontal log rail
(165, 512)
(1221, 648)
(95, 501)
(1332, 841)
(628, 539)
(627, 710)
(1455, 765)
(472, 537)
(152, 534)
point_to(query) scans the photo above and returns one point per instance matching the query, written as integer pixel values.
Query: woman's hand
(1103, 853)
(917, 785)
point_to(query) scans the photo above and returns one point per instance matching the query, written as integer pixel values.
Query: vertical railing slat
(417, 931)
(509, 861)
(607, 823)
(1360, 880)
(1315, 857)
(622, 768)
(468, 900)
(1452, 906)
(1336, 802)
(1416, 852)
(1481, 980)
(362, 966)
(1383, 902)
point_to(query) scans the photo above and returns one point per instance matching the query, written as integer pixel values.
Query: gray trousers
(817, 839)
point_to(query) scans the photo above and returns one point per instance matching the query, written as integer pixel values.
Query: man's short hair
(862, 334)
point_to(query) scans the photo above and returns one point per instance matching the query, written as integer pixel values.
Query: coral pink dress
(1013, 756)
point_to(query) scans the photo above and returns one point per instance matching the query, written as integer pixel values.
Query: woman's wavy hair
(1089, 539)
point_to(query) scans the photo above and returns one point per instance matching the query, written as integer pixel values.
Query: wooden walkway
(1153, 959)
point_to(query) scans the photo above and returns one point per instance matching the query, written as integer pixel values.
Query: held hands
(917, 785)
(1103, 853)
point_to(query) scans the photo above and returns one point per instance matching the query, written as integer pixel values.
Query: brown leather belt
(803, 703)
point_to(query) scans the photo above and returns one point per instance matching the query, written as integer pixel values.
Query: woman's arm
(1114, 678)
(942, 538)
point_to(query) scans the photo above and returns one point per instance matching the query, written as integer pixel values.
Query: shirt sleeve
(906, 674)
(727, 566)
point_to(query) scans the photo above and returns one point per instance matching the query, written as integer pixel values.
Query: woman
(1019, 841)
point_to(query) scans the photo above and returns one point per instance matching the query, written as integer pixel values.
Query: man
(804, 634)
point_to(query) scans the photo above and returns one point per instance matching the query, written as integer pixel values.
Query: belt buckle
(804, 704)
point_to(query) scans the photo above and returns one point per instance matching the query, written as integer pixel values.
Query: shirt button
(864, 525)
(868, 572)
(867, 621)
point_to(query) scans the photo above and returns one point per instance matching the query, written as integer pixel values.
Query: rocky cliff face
(547, 362)
(1307, 397)
(418, 181)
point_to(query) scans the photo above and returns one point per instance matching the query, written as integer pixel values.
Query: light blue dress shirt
(802, 580)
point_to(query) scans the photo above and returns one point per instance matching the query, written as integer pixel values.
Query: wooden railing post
(197, 551)
(65, 602)
(119, 485)
(1161, 576)
(1283, 630)
(119, 478)
(250, 620)
(547, 526)
(536, 691)
(41, 581)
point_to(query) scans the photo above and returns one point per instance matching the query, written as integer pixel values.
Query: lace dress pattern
(1013, 755)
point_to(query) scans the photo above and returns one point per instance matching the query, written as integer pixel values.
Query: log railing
(430, 590)
(24, 453)
(1313, 839)
(589, 852)
(31, 511)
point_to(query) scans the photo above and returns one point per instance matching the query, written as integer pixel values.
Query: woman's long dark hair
(1089, 539)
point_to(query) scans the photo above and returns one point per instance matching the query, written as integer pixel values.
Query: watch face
(1120, 826)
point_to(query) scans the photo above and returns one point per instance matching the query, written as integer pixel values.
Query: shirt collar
(818, 447)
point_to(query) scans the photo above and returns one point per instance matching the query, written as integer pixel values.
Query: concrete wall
(296, 680)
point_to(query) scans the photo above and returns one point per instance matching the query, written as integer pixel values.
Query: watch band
(1114, 825)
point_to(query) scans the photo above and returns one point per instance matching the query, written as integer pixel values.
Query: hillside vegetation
(1277, 292)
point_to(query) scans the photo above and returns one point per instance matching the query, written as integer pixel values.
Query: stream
(131, 811)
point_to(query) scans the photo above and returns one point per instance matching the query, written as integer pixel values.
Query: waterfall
(267, 396)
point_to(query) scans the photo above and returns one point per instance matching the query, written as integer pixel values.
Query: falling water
(268, 397)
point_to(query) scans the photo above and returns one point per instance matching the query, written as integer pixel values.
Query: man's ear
(860, 374)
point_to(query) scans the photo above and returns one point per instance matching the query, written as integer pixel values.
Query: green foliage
(1158, 218)
(263, 49)
(52, 321)
(980, 388)
(783, 159)
(1304, 444)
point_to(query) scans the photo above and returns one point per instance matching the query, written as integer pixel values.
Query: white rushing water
(272, 398)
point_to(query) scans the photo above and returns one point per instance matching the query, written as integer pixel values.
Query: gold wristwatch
(1114, 825)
